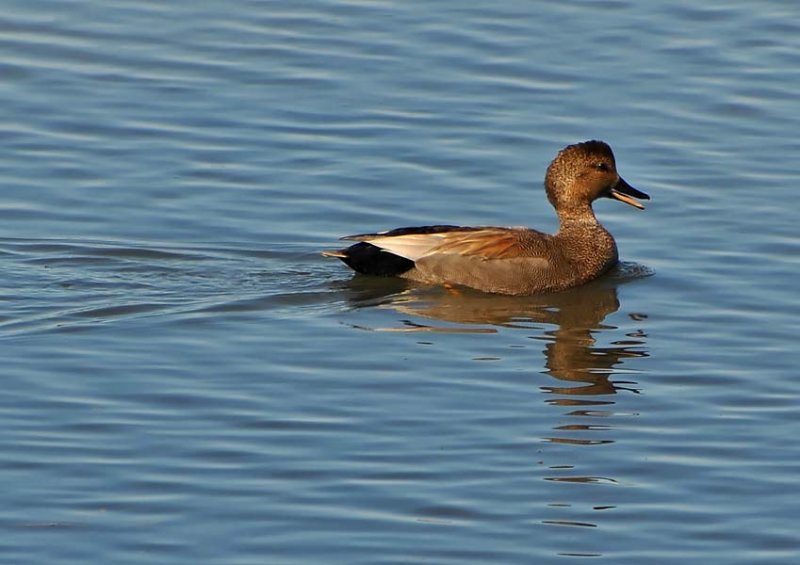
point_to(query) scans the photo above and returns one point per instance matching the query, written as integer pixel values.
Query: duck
(515, 261)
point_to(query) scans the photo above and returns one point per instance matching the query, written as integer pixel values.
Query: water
(186, 380)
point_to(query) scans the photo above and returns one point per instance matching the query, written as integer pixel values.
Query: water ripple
(186, 380)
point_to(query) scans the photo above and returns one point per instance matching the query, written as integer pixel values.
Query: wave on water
(55, 285)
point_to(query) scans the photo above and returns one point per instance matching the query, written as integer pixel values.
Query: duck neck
(577, 218)
(590, 246)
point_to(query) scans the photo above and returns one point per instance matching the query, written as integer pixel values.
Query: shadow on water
(584, 355)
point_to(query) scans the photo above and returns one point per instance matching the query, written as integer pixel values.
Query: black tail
(367, 259)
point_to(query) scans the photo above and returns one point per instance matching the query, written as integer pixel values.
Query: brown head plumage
(579, 174)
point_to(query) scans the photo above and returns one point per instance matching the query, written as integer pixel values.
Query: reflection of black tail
(367, 259)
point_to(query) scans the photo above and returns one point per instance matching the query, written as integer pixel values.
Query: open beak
(624, 192)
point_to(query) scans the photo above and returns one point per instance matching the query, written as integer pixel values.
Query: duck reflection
(571, 325)
(583, 354)
(572, 353)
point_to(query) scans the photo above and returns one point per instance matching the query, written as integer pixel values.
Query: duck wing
(416, 243)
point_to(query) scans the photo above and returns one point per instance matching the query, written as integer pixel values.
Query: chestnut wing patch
(488, 243)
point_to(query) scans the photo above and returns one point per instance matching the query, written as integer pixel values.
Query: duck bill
(624, 192)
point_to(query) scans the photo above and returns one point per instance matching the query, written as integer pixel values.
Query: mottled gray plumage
(517, 261)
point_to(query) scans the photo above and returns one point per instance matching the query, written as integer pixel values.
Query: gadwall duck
(516, 261)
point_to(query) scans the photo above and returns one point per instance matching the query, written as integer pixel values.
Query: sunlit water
(186, 380)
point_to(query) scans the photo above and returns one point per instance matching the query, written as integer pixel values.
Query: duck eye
(601, 167)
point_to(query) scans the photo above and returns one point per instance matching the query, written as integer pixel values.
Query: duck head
(584, 172)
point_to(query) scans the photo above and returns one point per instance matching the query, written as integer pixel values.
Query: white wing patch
(411, 246)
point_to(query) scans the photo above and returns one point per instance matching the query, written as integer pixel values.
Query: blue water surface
(186, 380)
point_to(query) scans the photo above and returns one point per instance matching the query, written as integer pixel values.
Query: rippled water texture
(186, 380)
